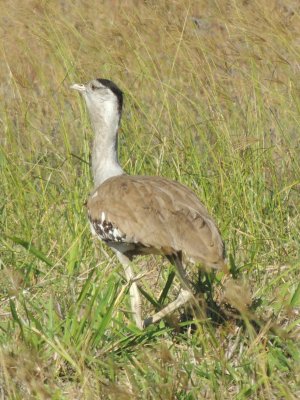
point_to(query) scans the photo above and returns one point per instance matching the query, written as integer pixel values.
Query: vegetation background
(212, 100)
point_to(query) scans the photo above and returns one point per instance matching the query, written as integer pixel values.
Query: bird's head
(103, 98)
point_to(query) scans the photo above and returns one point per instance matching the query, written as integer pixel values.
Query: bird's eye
(93, 87)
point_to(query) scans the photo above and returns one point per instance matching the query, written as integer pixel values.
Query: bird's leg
(184, 296)
(135, 298)
(176, 260)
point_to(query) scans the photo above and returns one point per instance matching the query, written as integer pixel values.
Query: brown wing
(157, 213)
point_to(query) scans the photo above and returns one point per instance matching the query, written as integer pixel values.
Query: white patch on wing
(116, 232)
(95, 194)
(106, 231)
(94, 233)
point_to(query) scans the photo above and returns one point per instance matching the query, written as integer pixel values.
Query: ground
(211, 100)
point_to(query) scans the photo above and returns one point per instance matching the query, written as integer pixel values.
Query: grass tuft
(212, 100)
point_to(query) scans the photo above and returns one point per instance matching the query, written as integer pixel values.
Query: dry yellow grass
(212, 99)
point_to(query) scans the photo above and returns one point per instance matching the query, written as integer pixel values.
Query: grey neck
(105, 163)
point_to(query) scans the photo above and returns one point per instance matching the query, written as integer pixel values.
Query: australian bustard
(138, 215)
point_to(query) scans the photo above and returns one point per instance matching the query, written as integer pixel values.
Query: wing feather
(158, 213)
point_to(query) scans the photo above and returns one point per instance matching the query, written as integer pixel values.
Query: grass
(212, 100)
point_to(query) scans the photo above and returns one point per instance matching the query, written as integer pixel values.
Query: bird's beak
(78, 86)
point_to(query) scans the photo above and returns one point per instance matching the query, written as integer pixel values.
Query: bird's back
(155, 215)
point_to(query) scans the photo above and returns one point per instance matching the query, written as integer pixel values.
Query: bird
(142, 215)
